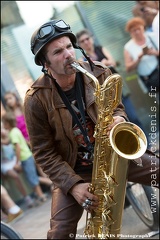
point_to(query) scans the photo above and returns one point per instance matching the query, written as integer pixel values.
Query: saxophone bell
(128, 140)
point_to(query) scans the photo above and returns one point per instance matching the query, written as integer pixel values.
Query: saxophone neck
(80, 69)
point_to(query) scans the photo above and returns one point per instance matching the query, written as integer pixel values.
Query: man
(57, 142)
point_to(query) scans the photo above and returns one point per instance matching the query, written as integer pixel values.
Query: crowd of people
(50, 138)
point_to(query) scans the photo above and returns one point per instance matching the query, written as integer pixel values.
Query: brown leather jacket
(49, 125)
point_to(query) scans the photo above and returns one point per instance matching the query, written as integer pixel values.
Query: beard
(67, 66)
(65, 69)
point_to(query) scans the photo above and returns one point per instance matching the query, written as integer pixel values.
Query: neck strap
(81, 109)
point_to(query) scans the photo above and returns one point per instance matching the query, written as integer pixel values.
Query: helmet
(49, 31)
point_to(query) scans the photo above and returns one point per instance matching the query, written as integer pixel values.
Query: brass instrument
(111, 154)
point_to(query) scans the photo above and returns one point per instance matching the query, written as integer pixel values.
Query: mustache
(69, 61)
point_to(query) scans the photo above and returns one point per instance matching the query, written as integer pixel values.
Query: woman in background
(141, 53)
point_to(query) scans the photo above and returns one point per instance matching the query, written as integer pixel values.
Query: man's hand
(117, 119)
(80, 193)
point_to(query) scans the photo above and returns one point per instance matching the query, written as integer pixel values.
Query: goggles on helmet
(49, 29)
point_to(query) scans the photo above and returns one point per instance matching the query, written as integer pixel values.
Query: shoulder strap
(74, 115)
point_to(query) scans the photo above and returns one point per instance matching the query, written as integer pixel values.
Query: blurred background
(106, 19)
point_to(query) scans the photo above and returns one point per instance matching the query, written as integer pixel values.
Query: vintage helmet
(47, 32)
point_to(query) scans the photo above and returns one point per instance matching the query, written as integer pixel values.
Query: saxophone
(111, 159)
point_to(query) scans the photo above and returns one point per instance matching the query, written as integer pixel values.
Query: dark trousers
(66, 212)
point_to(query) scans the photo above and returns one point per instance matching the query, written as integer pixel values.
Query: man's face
(60, 54)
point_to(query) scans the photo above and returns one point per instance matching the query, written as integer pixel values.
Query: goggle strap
(44, 70)
(87, 57)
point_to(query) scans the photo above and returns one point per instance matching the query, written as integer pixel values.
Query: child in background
(13, 210)
(9, 166)
(23, 154)
(14, 105)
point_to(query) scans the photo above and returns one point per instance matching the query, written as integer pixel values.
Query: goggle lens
(44, 31)
(62, 24)
(49, 29)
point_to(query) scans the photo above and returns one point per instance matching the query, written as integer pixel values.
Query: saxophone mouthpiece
(75, 65)
(78, 67)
